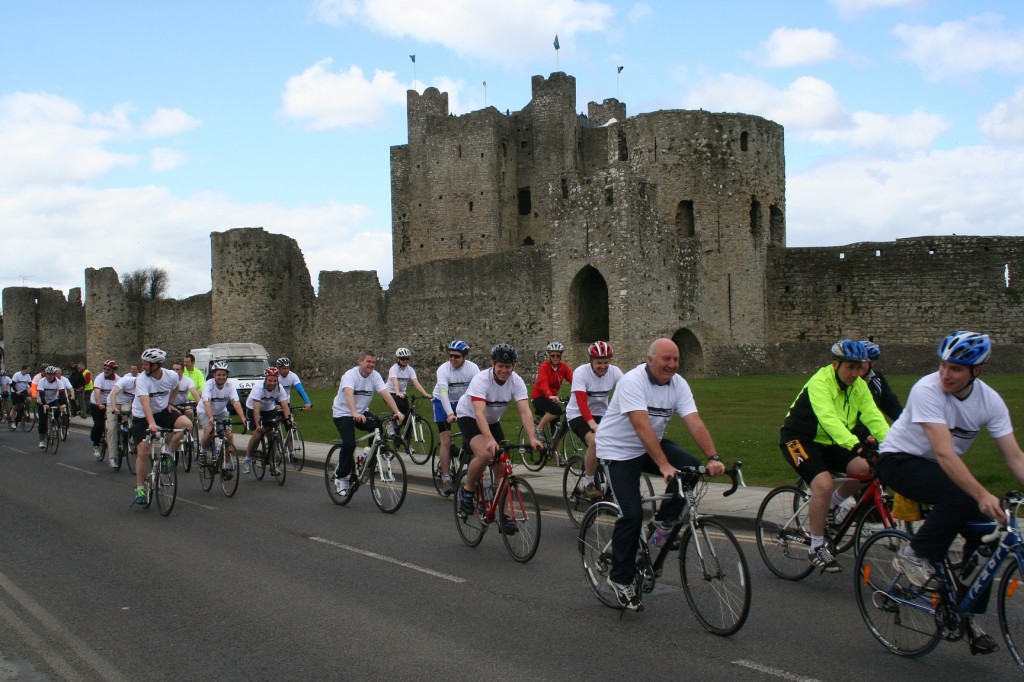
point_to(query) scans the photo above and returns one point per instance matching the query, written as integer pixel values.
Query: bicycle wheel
(519, 510)
(187, 445)
(330, 477)
(295, 446)
(388, 483)
(120, 449)
(572, 490)
(166, 485)
(783, 535)
(437, 474)
(534, 460)
(868, 522)
(207, 472)
(278, 460)
(65, 424)
(102, 453)
(419, 439)
(470, 526)
(259, 461)
(227, 462)
(572, 446)
(53, 437)
(1011, 610)
(133, 452)
(28, 420)
(594, 542)
(715, 578)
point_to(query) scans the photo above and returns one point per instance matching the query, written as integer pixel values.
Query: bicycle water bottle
(363, 455)
(974, 564)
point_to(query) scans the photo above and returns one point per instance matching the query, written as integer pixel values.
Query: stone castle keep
(547, 224)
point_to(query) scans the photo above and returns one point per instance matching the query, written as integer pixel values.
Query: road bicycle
(784, 532)
(53, 426)
(377, 464)
(458, 461)
(294, 444)
(189, 446)
(162, 480)
(124, 450)
(910, 621)
(269, 453)
(712, 567)
(558, 432)
(24, 414)
(221, 462)
(577, 504)
(513, 504)
(417, 433)
(64, 422)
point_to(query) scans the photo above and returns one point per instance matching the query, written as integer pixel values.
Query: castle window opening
(744, 137)
(685, 223)
(609, 196)
(471, 207)
(525, 205)
(842, 256)
(588, 295)
(878, 252)
(1006, 275)
(528, 241)
(523, 144)
(755, 219)
(460, 150)
(565, 188)
(839, 288)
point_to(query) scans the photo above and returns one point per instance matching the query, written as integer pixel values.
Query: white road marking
(774, 672)
(68, 466)
(390, 560)
(197, 504)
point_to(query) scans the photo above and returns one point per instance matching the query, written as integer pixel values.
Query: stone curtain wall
(41, 326)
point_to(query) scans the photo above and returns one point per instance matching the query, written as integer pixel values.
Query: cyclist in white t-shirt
(119, 401)
(218, 394)
(479, 413)
(264, 398)
(153, 409)
(592, 385)
(452, 380)
(53, 391)
(289, 380)
(400, 376)
(101, 388)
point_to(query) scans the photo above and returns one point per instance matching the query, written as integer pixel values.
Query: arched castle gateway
(545, 223)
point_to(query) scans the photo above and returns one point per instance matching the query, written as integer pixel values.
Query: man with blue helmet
(452, 381)
(921, 459)
(817, 438)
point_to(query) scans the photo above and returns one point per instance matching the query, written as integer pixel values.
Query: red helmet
(272, 372)
(600, 349)
(110, 364)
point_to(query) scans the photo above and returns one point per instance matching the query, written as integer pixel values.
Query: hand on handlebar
(668, 472)
(715, 467)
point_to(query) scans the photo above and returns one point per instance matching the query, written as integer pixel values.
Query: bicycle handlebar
(734, 472)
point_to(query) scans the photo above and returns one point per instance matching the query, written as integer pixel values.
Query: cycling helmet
(220, 364)
(283, 362)
(272, 372)
(872, 348)
(849, 350)
(50, 369)
(403, 353)
(154, 355)
(965, 348)
(459, 346)
(110, 364)
(504, 352)
(555, 347)
(600, 349)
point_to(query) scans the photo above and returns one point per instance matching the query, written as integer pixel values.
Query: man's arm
(942, 445)
(1012, 455)
(702, 437)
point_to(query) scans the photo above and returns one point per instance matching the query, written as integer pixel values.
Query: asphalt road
(278, 583)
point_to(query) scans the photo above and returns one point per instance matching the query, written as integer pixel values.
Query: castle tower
(20, 324)
(111, 321)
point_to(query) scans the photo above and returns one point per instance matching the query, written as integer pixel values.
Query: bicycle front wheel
(186, 453)
(519, 520)
(470, 526)
(419, 441)
(534, 460)
(278, 460)
(783, 533)
(54, 439)
(1011, 610)
(259, 461)
(207, 472)
(715, 578)
(166, 485)
(65, 424)
(228, 465)
(594, 541)
(572, 446)
(868, 522)
(572, 490)
(437, 474)
(899, 615)
(331, 477)
(296, 448)
(388, 483)
(28, 420)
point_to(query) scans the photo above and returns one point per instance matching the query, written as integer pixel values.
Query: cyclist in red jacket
(550, 376)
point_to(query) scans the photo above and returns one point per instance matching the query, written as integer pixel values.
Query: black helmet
(504, 352)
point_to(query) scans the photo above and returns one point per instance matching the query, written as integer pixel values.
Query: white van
(247, 363)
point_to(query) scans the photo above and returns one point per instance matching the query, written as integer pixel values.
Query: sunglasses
(454, 356)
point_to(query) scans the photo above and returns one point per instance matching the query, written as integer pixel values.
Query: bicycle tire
(594, 542)
(120, 449)
(229, 478)
(207, 472)
(1011, 609)
(295, 446)
(470, 526)
(572, 486)
(534, 460)
(419, 439)
(388, 482)
(131, 459)
(572, 446)
(102, 452)
(519, 508)
(27, 420)
(330, 469)
(166, 485)
(64, 421)
(715, 577)
(900, 616)
(436, 474)
(783, 535)
(868, 522)
(259, 460)
(186, 453)
(278, 460)
(53, 437)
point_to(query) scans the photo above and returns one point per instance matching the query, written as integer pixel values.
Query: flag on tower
(413, 58)
(557, 46)
(620, 70)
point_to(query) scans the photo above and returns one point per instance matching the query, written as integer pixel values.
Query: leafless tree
(145, 284)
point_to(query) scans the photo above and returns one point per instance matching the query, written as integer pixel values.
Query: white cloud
(638, 13)
(805, 104)
(916, 130)
(971, 190)
(499, 31)
(345, 99)
(956, 48)
(168, 122)
(1005, 121)
(163, 159)
(853, 8)
(795, 46)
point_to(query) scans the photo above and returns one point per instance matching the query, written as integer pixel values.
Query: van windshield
(246, 368)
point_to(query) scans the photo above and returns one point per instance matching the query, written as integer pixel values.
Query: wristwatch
(715, 458)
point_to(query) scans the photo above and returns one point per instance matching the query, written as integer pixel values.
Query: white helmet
(555, 347)
(154, 355)
(403, 353)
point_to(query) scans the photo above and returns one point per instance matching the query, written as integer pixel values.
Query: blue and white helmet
(965, 348)
(872, 348)
(459, 346)
(848, 350)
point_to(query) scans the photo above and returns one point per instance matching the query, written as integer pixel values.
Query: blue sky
(130, 131)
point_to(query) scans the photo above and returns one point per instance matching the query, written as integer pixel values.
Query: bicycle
(417, 433)
(53, 426)
(458, 460)
(381, 467)
(294, 444)
(190, 442)
(784, 533)
(222, 461)
(26, 415)
(162, 480)
(571, 445)
(513, 504)
(124, 449)
(712, 567)
(64, 421)
(910, 621)
(271, 453)
(576, 504)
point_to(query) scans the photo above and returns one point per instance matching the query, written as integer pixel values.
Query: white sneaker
(95, 450)
(342, 486)
(42, 444)
(113, 463)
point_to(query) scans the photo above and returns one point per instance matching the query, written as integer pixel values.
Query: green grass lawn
(744, 415)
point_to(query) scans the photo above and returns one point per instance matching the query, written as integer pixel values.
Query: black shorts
(545, 405)
(164, 419)
(470, 429)
(809, 459)
(581, 428)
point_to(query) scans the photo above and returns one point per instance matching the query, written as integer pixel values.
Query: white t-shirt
(106, 386)
(21, 381)
(184, 384)
(929, 404)
(267, 398)
(49, 390)
(5, 383)
(597, 389)
(497, 396)
(220, 397)
(288, 382)
(404, 374)
(363, 389)
(158, 390)
(617, 439)
(452, 383)
(125, 390)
